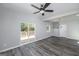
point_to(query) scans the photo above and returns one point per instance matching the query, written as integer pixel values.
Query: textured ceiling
(59, 8)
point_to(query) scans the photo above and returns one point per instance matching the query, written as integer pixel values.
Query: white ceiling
(59, 8)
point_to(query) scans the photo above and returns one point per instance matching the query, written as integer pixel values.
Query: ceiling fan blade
(35, 7)
(46, 5)
(36, 12)
(48, 10)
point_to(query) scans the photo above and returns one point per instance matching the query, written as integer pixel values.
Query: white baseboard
(21, 44)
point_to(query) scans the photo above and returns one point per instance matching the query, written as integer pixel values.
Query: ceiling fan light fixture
(42, 11)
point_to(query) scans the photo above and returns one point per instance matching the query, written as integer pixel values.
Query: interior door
(63, 30)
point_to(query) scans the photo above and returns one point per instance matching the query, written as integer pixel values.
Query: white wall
(10, 27)
(71, 25)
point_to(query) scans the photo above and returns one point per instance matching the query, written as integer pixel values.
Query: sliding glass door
(27, 31)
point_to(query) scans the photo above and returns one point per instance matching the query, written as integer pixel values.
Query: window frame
(48, 28)
(28, 31)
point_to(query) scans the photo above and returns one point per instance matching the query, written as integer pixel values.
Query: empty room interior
(39, 29)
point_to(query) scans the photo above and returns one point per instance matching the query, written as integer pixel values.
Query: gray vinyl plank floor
(52, 46)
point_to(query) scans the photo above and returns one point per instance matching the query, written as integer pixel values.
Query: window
(27, 31)
(48, 28)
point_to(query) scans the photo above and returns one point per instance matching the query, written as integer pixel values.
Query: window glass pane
(31, 30)
(24, 31)
(48, 28)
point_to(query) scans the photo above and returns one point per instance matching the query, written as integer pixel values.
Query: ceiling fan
(42, 9)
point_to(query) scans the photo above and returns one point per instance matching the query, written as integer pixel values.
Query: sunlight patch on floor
(25, 38)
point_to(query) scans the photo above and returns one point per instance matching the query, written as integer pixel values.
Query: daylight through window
(27, 31)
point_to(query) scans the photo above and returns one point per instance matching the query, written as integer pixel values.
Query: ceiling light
(41, 11)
